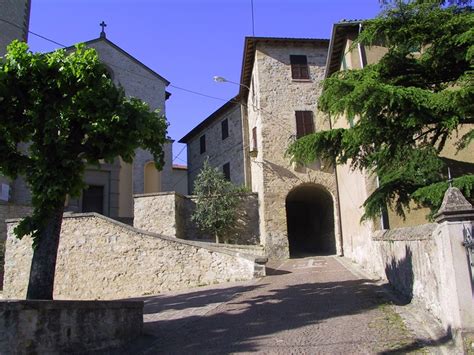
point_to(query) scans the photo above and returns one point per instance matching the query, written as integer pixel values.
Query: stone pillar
(455, 219)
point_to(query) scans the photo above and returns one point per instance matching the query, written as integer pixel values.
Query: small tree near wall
(217, 202)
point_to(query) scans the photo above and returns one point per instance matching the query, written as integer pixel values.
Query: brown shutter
(299, 124)
(299, 67)
(202, 144)
(254, 139)
(308, 122)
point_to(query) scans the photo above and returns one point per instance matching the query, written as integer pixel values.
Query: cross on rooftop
(103, 25)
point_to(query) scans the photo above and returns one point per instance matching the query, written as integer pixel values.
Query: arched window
(152, 178)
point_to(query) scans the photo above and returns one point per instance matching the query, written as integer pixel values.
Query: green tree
(217, 200)
(59, 112)
(408, 104)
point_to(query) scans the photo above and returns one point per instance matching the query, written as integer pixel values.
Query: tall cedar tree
(59, 112)
(408, 105)
(216, 210)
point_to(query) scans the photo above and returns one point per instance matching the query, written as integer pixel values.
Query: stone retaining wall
(8, 211)
(169, 213)
(100, 258)
(408, 259)
(62, 327)
(427, 264)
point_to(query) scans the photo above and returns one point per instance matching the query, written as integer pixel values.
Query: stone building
(219, 139)
(279, 87)
(14, 22)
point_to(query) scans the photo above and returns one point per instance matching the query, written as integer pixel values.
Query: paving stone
(304, 306)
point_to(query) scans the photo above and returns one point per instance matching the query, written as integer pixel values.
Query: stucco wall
(180, 181)
(409, 259)
(99, 258)
(170, 213)
(273, 99)
(427, 264)
(219, 151)
(62, 327)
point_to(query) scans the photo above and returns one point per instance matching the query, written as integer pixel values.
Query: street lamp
(220, 79)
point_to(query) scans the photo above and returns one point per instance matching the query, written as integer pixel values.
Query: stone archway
(310, 221)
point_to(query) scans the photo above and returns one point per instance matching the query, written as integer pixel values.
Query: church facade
(110, 186)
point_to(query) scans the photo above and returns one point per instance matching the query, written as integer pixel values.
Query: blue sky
(189, 41)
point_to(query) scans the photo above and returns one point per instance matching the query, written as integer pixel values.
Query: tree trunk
(217, 238)
(43, 264)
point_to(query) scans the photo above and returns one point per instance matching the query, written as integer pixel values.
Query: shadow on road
(245, 321)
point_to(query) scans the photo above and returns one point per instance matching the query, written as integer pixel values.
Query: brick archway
(310, 221)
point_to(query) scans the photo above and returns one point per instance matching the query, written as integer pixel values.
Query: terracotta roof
(338, 42)
(180, 167)
(210, 119)
(249, 54)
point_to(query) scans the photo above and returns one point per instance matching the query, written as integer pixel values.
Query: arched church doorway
(310, 221)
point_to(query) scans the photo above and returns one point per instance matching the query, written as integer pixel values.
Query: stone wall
(219, 151)
(169, 214)
(8, 211)
(408, 258)
(61, 327)
(100, 258)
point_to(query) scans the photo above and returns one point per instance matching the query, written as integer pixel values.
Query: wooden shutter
(304, 123)
(254, 139)
(225, 129)
(226, 171)
(202, 143)
(299, 67)
(308, 122)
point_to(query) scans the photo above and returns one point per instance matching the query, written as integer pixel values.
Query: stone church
(111, 186)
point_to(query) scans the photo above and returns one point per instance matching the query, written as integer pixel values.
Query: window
(299, 67)
(226, 171)
(225, 129)
(202, 143)
(304, 123)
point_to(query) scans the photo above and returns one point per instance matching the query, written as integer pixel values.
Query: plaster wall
(219, 151)
(276, 98)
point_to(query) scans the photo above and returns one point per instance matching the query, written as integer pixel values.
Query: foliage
(217, 201)
(59, 112)
(408, 104)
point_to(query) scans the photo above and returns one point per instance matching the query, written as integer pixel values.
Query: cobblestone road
(305, 306)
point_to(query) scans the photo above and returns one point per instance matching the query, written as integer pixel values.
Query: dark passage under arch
(310, 221)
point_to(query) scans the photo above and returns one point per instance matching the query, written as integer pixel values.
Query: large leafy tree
(407, 106)
(216, 203)
(59, 112)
